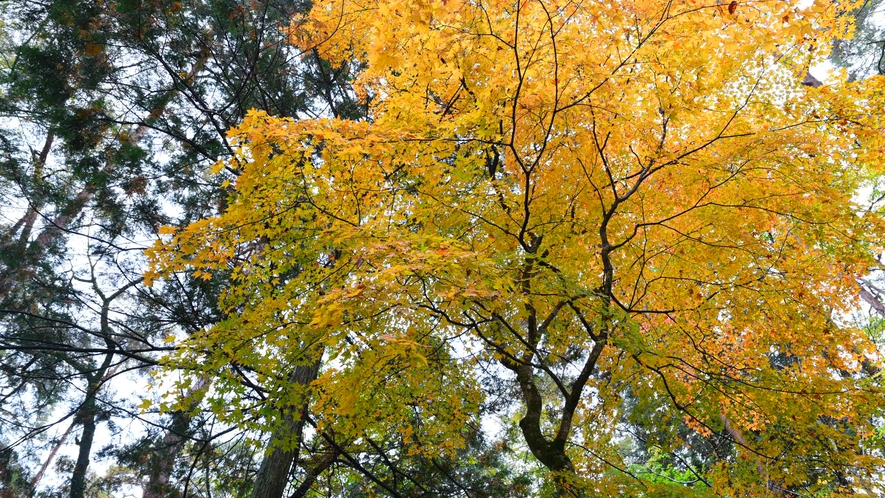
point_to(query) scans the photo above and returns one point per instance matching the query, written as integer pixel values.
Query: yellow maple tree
(614, 201)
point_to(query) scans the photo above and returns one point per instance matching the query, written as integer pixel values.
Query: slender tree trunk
(36, 204)
(89, 409)
(871, 299)
(75, 206)
(313, 473)
(49, 458)
(85, 416)
(285, 442)
(163, 456)
(27, 225)
(9, 277)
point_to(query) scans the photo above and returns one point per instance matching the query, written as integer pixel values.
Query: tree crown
(624, 209)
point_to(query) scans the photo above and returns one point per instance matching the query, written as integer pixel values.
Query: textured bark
(273, 475)
(550, 453)
(86, 417)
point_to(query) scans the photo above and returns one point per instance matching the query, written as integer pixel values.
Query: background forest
(116, 134)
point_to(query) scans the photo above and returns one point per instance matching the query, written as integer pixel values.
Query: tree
(109, 111)
(112, 111)
(626, 210)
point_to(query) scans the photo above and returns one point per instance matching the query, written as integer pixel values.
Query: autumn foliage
(630, 210)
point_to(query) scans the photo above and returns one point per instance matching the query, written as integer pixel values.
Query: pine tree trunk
(273, 475)
(85, 416)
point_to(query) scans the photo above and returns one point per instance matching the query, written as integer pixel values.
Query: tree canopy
(631, 213)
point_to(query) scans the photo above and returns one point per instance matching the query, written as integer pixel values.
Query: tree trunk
(89, 409)
(49, 458)
(86, 416)
(312, 474)
(163, 456)
(273, 475)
